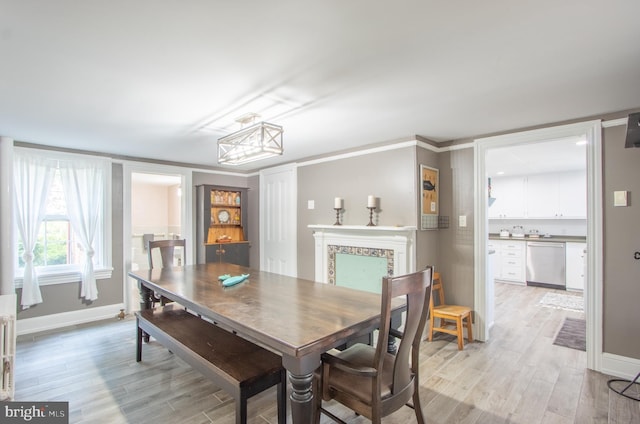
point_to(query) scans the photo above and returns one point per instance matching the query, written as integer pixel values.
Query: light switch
(311, 204)
(620, 198)
(462, 221)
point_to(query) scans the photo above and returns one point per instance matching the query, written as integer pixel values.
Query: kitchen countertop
(559, 239)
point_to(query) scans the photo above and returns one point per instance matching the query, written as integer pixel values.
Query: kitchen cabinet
(509, 193)
(509, 262)
(575, 265)
(221, 216)
(557, 195)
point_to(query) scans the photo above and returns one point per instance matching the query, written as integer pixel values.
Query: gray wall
(391, 176)
(621, 239)
(428, 241)
(394, 177)
(456, 258)
(60, 298)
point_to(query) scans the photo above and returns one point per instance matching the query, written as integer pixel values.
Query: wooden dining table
(298, 319)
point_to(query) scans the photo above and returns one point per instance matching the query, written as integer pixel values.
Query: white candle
(371, 201)
(337, 203)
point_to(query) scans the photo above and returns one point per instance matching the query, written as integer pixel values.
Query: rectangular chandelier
(259, 141)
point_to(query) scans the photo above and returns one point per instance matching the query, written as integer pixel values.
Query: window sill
(63, 277)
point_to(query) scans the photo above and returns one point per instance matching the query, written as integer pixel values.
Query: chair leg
(417, 406)
(431, 322)
(460, 333)
(469, 329)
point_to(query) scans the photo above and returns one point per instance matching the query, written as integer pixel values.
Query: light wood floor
(517, 377)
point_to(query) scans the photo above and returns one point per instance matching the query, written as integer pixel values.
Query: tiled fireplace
(358, 256)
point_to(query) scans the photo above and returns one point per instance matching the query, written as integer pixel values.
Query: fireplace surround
(358, 256)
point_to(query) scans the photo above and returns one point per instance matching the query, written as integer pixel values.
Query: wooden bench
(237, 366)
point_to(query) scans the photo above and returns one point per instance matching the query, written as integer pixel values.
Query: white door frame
(592, 131)
(186, 215)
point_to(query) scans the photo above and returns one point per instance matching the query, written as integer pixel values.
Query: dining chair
(451, 317)
(167, 251)
(369, 380)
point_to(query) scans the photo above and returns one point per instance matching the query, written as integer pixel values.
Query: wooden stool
(451, 317)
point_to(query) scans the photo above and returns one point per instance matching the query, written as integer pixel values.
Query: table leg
(301, 397)
(146, 300)
(300, 370)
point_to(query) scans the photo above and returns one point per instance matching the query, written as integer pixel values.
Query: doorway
(591, 132)
(157, 206)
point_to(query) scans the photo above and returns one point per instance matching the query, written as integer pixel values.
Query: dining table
(296, 318)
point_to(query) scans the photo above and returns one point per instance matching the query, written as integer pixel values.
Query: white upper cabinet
(557, 195)
(509, 195)
(572, 195)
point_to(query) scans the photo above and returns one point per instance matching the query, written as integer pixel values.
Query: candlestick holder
(337, 216)
(371, 209)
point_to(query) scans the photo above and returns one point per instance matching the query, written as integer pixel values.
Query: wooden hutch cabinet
(221, 216)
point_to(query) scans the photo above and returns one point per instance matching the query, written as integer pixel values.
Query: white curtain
(83, 182)
(32, 175)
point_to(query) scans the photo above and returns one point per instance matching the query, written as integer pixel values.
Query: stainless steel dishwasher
(546, 264)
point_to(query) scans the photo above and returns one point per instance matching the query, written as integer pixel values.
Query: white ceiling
(148, 78)
(567, 154)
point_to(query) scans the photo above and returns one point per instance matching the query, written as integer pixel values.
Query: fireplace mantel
(363, 229)
(400, 240)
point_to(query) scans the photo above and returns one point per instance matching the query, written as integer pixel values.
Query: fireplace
(359, 256)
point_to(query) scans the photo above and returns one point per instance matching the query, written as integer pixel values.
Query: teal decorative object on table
(232, 281)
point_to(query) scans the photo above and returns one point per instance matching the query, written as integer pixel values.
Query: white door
(278, 220)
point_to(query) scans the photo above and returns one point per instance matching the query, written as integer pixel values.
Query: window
(58, 254)
(56, 243)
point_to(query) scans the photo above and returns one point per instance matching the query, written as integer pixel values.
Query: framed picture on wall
(429, 187)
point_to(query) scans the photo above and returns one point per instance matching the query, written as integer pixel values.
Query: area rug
(562, 301)
(572, 334)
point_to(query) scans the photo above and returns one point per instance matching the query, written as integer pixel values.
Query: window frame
(71, 273)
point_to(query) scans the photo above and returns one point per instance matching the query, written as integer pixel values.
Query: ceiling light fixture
(258, 141)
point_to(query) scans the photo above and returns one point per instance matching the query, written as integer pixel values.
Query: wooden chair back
(390, 381)
(167, 249)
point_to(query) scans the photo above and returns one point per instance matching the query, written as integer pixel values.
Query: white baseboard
(66, 319)
(620, 366)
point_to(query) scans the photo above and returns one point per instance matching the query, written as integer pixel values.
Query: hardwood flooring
(519, 376)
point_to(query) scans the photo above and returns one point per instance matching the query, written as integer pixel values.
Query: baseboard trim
(620, 366)
(66, 319)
